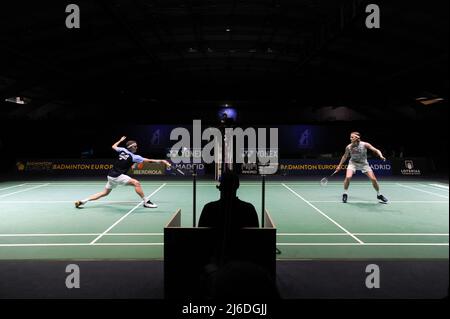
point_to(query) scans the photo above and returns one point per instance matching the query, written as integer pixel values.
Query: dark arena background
(77, 76)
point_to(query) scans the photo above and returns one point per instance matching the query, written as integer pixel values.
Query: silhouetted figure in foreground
(229, 210)
(231, 273)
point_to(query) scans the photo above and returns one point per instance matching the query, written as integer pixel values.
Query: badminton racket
(324, 181)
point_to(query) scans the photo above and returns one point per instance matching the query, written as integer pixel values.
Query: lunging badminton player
(117, 174)
(357, 150)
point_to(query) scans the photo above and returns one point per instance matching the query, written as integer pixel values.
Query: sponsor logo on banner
(20, 166)
(38, 166)
(409, 164)
(409, 168)
(148, 169)
(188, 169)
(309, 167)
(249, 169)
(64, 166)
(161, 169)
(326, 166)
(81, 167)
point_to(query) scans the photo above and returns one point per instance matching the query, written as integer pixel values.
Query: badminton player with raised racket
(126, 157)
(357, 151)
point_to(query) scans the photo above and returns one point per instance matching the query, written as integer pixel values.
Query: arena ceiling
(145, 55)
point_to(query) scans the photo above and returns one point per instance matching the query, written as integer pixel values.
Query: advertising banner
(99, 167)
(412, 166)
(65, 166)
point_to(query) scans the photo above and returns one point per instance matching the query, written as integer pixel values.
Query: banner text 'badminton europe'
(241, 146)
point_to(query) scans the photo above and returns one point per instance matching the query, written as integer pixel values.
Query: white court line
(440, 186)
(429, 186)
(325, 215)
(128, 244)
(213, 185)
(278, 244)
(81, 234)
(11, 187)
(391, 201)
(363, 234)
(436, 187)
(65, 201)
(364, 244)
(142, 183)
(279, 234)
(23, 190)
(134, 201)
(83, 244)
(368, 184)
(189, 183)
(124, 216)
(421, 190)
(176, 185)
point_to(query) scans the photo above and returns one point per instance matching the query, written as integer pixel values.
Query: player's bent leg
(375, 185)
(348, 177)
(373, 179)
(140, 192)
(96, 196)
(101, 194)
(137, 187)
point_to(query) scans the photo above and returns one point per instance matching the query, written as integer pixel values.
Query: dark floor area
(421, 279)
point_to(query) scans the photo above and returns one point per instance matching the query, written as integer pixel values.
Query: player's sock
(84, 201)
(378, 193)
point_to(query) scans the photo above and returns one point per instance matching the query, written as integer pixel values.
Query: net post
(194, 195)
(263, 199)
(261, 170)
(218, 160)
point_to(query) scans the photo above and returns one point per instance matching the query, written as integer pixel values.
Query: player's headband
(132, 145)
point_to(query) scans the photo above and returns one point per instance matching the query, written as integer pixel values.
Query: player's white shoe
(149, 204)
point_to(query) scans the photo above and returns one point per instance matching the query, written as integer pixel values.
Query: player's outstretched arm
(376, 151)
(148, 160)
(116, 144)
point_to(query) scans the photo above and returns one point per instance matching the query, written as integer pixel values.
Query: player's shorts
(113, 182)
(363, 167)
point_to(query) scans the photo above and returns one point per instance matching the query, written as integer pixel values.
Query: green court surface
(39, 221)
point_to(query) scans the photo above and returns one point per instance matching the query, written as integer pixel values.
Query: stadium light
(428, 99)
(17, 100)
